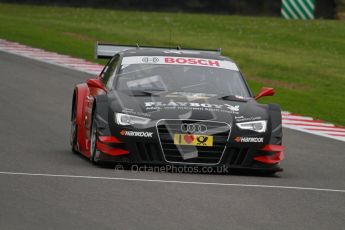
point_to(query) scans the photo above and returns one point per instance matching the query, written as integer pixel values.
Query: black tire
(74, 130)
(93, 138)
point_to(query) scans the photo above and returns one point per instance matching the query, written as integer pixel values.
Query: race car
(183, 107)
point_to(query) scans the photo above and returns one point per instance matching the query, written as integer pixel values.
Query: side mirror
(265, 92)
(95, 83)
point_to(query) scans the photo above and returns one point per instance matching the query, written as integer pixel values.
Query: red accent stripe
(271, 159)
(110, 150)
(109, 139)
(273, 148)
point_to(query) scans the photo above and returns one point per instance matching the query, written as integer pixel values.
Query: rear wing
(103, 50)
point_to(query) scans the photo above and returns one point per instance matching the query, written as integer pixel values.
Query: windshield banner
(163, 60)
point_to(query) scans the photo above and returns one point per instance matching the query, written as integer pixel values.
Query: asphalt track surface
(45, 186)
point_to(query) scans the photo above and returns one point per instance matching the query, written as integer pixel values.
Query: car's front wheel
(93, 143)
(74, 130)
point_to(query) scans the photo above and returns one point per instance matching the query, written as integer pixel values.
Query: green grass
(303, 60)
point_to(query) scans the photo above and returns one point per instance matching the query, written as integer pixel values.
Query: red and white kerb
(166, 60)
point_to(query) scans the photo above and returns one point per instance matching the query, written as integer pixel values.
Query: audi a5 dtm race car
(155, 105)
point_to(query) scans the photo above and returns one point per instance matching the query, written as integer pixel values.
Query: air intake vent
(177, 153)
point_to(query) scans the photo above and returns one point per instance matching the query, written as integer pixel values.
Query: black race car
(157, 105)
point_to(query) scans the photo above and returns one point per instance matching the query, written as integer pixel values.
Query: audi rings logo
(193, 128)
(150, 59)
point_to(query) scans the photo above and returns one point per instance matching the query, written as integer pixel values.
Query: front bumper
(232, 158)
(155, 145)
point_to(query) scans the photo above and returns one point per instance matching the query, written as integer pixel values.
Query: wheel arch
(100, 109)
(80, 93)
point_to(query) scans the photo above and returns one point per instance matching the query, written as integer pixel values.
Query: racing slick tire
(74, 129)
(93, 139)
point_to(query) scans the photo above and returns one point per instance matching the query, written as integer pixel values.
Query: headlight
(125, 119)
(257, 126)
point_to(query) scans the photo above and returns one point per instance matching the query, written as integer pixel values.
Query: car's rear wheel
(74, 130)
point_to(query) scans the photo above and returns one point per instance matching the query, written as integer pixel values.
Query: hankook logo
(135, 133)
(193, 128)
(249, 139)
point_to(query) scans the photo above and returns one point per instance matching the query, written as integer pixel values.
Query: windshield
(181, 78)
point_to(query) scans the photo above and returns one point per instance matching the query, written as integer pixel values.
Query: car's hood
(181, 105)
